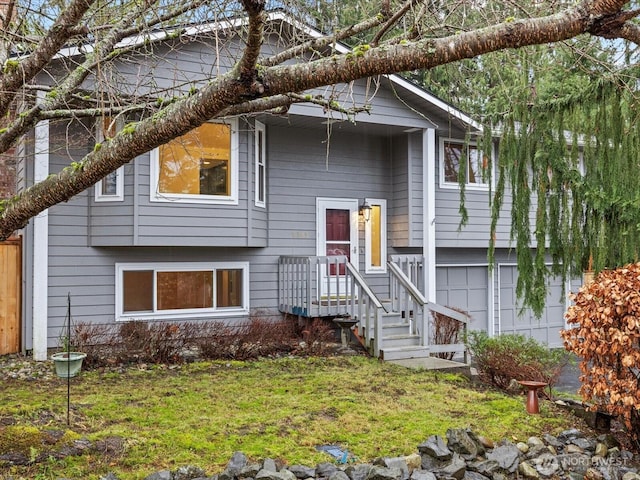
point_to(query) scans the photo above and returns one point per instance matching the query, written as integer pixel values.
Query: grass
(201, 413)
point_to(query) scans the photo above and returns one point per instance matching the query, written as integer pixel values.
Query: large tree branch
(319, 44)
(227, 91)
(59, 97)
(57, 36)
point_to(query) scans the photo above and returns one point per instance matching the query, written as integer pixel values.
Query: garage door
(545, 329)
(465, 288)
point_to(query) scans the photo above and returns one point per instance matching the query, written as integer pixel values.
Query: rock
(571, 448)
(395, 462)
(568, 435)
(161, 475)
(188, 472)
(551, 440)
(461, 441)
(413, 461)
(532, 441)
(469, 475)
(265, 474)
(593, 474)
(484, 467)
(585, 443)
(435, 447)
(358, 472)
(631, 476)
(454, 469)
(383, 473)
(527, 470)
(248, 471)
(486, 442)
(523, 447)
(507, 456)
(301, 472)
(325, 469)
(422, 475)
(601, 450)
(536, 451)
(269, 464)
(574, 462)
(237, 463)
(339, 475)
(546, 464)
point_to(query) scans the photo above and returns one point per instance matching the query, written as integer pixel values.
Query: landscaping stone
(463, 456)
(464, 442)
(358, 472)
(384, 473)
(507, 456)
(435, 447)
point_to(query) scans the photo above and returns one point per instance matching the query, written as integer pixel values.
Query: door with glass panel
(337, 227)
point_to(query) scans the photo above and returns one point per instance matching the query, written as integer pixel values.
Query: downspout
(40, 248)
(429, 209)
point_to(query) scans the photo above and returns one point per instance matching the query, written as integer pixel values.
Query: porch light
(365, 211)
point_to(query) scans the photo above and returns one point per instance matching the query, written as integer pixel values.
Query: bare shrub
(445, 331)
(317, 334)
(256, 338)
(606, 316)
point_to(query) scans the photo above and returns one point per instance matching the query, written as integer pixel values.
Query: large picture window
(181, 290)
(198, 167)
(111, 187)
(454, 155)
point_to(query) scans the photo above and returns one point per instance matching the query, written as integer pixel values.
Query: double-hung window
(181, 290)
(456, 155)
(111, 187)
(198, 167)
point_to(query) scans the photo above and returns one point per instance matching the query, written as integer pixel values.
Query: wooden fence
(10, 300)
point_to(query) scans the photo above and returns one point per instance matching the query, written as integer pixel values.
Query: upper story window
(456, 153)
(198, 167)
(111, 187)
(261, 165)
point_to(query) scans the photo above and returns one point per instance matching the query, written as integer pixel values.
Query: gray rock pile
(461, 456)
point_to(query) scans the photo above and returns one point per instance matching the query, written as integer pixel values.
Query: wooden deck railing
(407, 298)
(329, 287)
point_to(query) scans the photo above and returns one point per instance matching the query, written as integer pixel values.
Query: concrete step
(400, 353)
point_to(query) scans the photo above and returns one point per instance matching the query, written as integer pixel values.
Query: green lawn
(201, 413)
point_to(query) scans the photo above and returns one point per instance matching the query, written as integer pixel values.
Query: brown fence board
(10, 281)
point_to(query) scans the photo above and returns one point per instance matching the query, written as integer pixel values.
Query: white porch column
(40, 248)
(429, 209)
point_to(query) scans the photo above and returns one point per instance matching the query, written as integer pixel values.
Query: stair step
(408, 340)
(400, 353)
(395, 329)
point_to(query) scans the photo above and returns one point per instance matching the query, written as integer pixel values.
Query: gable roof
(440, 113)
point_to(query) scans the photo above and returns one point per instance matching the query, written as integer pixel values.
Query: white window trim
(454, 185)
(119, 173)
(156, 196)
(383, 238)
(183, 313)
(260, 131)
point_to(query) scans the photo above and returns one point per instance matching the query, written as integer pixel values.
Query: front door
(337, 227)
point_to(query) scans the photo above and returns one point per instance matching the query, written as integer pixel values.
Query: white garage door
(545, 329)
(466, 288)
